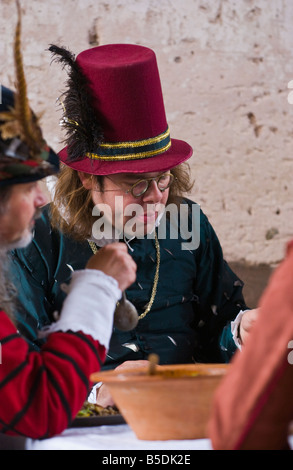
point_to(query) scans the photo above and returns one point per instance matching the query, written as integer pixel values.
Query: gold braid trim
(130, 156)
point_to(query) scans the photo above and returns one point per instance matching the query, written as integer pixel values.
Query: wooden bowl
(174, 403)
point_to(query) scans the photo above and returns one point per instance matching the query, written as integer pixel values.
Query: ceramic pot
(174, 403)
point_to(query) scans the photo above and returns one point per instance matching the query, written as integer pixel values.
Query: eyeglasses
(163, 182)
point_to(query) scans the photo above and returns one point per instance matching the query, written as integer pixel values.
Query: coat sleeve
(41, 392)
(253, 405)
(38, 271)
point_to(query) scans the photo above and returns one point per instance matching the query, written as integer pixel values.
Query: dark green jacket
(197, 296)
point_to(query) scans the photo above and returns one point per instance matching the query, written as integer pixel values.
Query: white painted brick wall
(225, 67)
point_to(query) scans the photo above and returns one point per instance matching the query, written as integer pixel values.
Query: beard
(8, 292)
(19, 243)
(24, 240)
(7, 289)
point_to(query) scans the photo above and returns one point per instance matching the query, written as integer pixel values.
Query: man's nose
(41, 198)
(153, 193)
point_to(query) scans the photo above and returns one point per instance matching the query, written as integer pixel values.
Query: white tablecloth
(116, 437)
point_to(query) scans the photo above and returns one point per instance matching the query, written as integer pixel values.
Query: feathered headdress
(24, 154)
(83, 131)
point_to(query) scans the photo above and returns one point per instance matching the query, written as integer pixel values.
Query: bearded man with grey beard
(42, 391)
(75, 347)
(7, 288)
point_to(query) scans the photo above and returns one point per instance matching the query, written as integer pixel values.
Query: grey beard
(7, 288)
(21, 243)
(24, 240)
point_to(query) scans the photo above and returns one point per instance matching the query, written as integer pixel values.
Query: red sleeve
(41, 392)
(253, 405)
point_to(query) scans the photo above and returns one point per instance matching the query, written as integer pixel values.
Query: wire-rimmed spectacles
(140, 187)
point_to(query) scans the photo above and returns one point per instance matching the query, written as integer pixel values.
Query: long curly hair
(72, 205)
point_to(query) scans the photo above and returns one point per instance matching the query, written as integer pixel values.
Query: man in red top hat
(42, 391)
(123, 179)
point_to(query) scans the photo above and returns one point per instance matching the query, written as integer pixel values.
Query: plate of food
(95, 415)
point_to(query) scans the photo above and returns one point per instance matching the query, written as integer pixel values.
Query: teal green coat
(197, 296)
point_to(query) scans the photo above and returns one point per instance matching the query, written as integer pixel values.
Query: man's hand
(247, 321)
(104, 398)
(114, 260)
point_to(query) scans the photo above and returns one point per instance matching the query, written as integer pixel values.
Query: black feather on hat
(83, 132)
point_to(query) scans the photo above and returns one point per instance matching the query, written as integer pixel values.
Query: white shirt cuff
(92, 398)
(89, 306)
(235, 328)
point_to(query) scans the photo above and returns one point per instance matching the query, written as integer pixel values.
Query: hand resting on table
(104, 398)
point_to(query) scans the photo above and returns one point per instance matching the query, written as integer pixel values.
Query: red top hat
(127, 103)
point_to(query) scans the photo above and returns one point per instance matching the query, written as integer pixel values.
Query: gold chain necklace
(156, 278)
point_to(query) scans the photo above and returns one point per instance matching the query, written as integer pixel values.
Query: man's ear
(86, 180)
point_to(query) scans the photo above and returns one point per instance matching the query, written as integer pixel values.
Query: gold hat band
(133, 150)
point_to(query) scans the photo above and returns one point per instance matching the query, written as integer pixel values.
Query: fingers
(114, 260)
(247, 322)
(254, 314)
(249, 318)
(104, 398)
